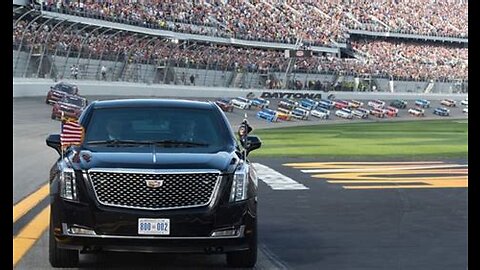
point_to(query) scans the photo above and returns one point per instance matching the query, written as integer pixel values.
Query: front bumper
(116, 229)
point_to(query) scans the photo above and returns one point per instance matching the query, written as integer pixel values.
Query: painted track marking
(26, 204)
(276, 180)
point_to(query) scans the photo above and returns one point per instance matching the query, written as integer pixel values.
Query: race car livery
(464, 102)
(449, 102)
(224, 104)
(69, 107)
(380, 113)
(422, 103)
(59, 90)
(391, 111)
(320, 113)
(260, 103)
(267, 114)
(341, 104)
(300, 113)
(344, 113)
(283, 114)
(355, 104)
(399, 104)
(326, 104)
(376, 103)
(242, 103)
(416, 111)
(360, 113)
(441, 111)
(465, 110)
(308, 104)
(287, 104)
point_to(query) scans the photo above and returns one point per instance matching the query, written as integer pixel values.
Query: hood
(68, 105)
(150, 160)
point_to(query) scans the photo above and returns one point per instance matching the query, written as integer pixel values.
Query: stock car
(267, 114)
(69, 106)
(416, 111)
(391, 111)
(422, 103)
(376, 103)
(300, 113)
(59, 90)
(260, 103)
(360, 113)
(287, 104)
(399, 104)
(308, 104)
(378, 112)
(326, 104)
(355, 104)
(241, 103)
(441, 111)
(465, 110)
(320, 112)
(449, 102)
(283, 114)
(341, 104)
(464, 102)
(224, 104)
(344, 113)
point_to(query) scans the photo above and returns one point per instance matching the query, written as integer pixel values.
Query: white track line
(376, 169)
(276, 180)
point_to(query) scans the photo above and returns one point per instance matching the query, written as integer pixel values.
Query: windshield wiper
(117, 142)
(175, 142)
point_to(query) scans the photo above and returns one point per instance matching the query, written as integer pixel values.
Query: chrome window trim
(210, 202)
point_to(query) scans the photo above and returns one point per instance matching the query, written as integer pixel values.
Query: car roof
(174, 103)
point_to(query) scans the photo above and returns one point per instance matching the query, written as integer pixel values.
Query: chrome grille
(178, 190)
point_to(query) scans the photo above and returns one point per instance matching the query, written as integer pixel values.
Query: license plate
(154, 226)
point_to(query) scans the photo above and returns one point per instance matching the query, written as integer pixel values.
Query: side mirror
(251, 143)
(53, 140)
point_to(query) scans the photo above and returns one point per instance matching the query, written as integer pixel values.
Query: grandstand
(355, 45)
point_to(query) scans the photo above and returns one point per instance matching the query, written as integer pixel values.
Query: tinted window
(157, 124)
(65, 88)
(75, 101)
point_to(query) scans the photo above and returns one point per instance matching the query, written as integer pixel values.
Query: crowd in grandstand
(316, 22)
(400, 60)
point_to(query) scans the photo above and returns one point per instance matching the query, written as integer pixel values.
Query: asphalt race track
(412, 215)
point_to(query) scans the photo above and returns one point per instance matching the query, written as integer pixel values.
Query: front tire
(60, 257)
(247, 258)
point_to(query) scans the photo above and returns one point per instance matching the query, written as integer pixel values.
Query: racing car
(360, 113)
(422, 103)
(320, 112)
(416, 111)
(287, 104)
(448, 102)
(224, 104)
(241, 103)
(376, 103)
(267, 114)
(300, 113)
(284, 114)
(378, 112)
(326, 104)
(344, 113)
(260, 103)
(59, 90)
(69, 106)
(341, 104)
(465, 110)
(308, 104)
(355, 104)
(399, 104)
(464, 102)
(391, 111)
(441, 111)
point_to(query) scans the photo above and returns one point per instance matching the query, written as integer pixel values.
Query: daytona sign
(290, 95)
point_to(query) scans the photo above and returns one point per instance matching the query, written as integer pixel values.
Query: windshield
(171, 129)
(74, 101)
(65, 88)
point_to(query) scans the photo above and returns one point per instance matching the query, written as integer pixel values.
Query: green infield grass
(437, 139)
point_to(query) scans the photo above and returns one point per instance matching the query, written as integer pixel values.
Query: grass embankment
(406, 139)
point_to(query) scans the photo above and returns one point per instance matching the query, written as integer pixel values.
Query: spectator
(104, 73)
(192, 79)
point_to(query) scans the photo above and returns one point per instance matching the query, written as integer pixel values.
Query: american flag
(72, 133)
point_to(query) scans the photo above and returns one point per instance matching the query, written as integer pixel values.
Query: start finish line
(276, 180)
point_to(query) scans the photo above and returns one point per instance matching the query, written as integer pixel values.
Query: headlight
(240, 184)
(68, 185)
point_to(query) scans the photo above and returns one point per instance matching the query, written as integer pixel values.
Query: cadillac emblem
(154, 183)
